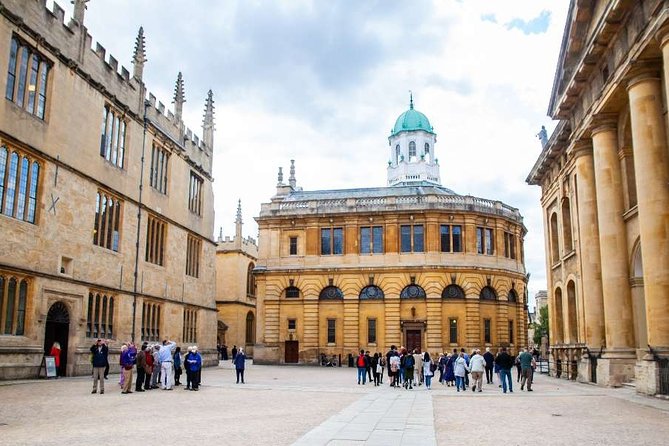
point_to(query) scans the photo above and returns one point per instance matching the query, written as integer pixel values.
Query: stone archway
(58, 330)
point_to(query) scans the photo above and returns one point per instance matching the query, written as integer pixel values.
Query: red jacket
(55, 352)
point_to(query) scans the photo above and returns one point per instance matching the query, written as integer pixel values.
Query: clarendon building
(412, 264)
(604, 177)
(106, 202)
(236, 259)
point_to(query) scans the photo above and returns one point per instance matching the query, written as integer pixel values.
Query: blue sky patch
(537, 25)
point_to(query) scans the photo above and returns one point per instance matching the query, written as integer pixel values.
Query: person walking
(177, 366)
(519, 369)
(376, 368)
(240, 364)
(165, 355)
(489, 364)
(459, 369)
(526, 362)
(394, 364)
(428, 370)
(382, 363)
(505, 362)
(408, 368)
(141, 368)
(477, 366)
(99, 352)
(368, 358)
(417, 367)
(449, 376)
(361, 363)
(128, 358)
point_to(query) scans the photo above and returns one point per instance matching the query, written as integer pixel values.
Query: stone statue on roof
(543, 137)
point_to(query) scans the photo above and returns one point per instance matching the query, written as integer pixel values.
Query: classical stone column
(619, 326)
(588, 229)
(651, 164)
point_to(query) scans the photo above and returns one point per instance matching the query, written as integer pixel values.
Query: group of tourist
(413, 368)
(158, 366)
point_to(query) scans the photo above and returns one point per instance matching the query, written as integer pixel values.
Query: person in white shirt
(477, 368)
(165, 356)
(427, 370)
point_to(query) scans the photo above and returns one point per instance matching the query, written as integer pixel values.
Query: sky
(322, 82)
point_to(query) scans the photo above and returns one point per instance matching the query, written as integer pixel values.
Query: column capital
(603, 122)
(581, 147)
(643, 71)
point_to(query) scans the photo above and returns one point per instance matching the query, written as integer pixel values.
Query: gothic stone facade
(343, 270)
(106, 201)
(604, 174)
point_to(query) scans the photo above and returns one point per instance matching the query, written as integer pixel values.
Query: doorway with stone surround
(58, 330)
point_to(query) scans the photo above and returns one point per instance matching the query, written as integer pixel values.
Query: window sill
(331, 344)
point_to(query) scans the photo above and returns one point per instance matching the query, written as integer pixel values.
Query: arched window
(571, 312)
(513, 296)
(427, 148)
(371, 292)
(637, 262)
(412, 292)
(397, 153)
(559, 321)
(453, 292)
(555, 249)
(331, 293)
(566, 226)
(250, 281)
(488, 293)
(12, 320)
(412, 150)
(292, 292)
(250, 329)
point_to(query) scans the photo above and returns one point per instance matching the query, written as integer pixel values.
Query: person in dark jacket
(505, 362)
(234, 352)
(240, 364)
(177, 366)
(373, 363)
(369, 366)
(141, 368)
(193, 362)
(489, 364)
(99, 351)
(128, 358)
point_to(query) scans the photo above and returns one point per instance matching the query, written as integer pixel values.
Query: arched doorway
(57, 330)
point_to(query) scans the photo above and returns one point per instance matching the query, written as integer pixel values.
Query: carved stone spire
(179, 97)
(280, 177)
(208, 121)
(139, 56)
(220, 234)
(238, 224)
(79, 10)
(291, 179)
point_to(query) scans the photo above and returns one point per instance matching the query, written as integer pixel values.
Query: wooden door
(292, 352)
(413, 340)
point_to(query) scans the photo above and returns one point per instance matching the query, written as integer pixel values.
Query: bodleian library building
(106, 201)
(412, 264)
(604, 178)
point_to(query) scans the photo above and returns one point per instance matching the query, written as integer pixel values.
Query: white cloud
(323, 82)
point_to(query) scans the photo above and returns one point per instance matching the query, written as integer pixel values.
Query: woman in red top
(55, 352)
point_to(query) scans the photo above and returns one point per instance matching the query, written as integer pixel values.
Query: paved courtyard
(324, 406)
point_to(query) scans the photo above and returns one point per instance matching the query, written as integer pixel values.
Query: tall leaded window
(292, 246)
(112, 136)
(487, 331)
(509, 245)
(412, 150)
(511, 332)
(371, 331)
(27, 76)
(371, 240)
(451, 238)
(250, 281)
(156, 232)
(158, 173)
(19, 180)
(332, 241)
(453, 331)
(332, 331)
(189, 332)
(13, 302)
(397, 153)
(427, 148)
(412, 238)
(195, 194)
(100, 316)
(513, 296)
(193, 250)
(106, 228)
(151, 321)
(250, 329)
(485, 241)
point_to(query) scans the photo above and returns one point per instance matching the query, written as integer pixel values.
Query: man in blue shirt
(165, 355)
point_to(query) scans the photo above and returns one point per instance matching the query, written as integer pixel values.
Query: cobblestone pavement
(324, 406)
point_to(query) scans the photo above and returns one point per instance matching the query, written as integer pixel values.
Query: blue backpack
(409, 362)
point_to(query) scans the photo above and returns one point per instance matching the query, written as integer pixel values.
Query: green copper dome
(411, 120)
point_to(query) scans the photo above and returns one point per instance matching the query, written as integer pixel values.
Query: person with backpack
(393, 366)
(428, 370)
(408, 366)
(361, 362)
